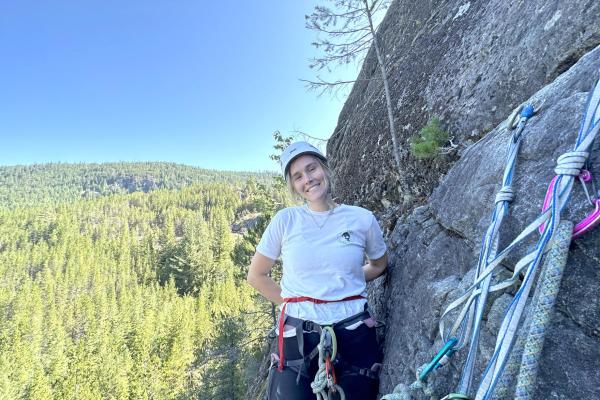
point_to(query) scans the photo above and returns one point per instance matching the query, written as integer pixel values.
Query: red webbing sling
(287, 300)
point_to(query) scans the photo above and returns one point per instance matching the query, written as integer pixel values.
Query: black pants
(356, 347)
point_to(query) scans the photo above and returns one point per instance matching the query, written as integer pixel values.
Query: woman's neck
(324, 205)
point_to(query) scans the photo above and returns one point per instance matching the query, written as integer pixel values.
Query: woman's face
(308, 178)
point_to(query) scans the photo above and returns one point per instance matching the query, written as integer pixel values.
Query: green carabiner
(447, 349)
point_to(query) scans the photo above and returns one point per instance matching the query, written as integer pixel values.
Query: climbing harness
(282, 319)
(325, 385)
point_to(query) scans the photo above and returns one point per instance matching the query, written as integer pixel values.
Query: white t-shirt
(323, 254)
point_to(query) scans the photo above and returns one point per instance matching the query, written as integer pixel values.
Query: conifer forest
(128, 281)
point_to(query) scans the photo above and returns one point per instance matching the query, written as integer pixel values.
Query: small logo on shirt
(345, 237)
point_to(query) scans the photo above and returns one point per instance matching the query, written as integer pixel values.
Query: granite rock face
(435, 250)
(469, 63)
(472, 63)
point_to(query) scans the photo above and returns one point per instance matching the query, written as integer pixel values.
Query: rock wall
(469, 63)
(472, 63)
(435, 250)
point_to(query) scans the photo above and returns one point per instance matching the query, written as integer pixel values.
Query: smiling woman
(323, 288)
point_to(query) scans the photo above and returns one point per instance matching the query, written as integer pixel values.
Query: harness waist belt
(309, 326)
(282, 318)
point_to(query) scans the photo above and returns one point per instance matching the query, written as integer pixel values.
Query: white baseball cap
(294, 151)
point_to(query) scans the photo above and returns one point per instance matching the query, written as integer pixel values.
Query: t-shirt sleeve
(375, 246)
(270, 242)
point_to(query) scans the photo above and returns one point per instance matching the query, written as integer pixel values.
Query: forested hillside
(53, 183)
(130, 296)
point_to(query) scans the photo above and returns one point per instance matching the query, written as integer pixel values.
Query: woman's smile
(313, 186)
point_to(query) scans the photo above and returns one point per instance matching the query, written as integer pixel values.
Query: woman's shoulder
(285, 214)
(356, 210)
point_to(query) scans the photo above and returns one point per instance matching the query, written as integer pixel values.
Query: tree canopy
(137, 295)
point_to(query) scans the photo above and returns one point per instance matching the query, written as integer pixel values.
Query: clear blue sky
(202, 83)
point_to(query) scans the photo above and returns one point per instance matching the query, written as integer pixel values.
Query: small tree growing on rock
(349, 29)
(429, 141)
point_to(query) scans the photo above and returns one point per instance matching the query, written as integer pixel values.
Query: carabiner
(329, 342)
(521, 114)
(586, 177)
(448, 349)
(591, 220)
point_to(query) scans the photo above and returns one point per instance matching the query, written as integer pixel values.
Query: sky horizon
(204, 85)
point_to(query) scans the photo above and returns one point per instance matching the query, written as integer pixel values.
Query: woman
(322, 245)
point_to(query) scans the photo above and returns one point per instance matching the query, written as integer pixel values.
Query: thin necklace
(315, 220)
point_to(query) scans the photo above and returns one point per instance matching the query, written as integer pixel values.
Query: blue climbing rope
(490, 245)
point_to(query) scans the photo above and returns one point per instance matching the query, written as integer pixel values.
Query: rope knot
(571, 163)
(505, 194)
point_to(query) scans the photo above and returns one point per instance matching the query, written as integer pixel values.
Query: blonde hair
(328, 179)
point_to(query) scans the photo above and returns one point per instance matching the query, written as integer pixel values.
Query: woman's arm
(375, 267)
(258, 278)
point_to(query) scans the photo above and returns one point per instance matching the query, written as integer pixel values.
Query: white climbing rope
(324, 385)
